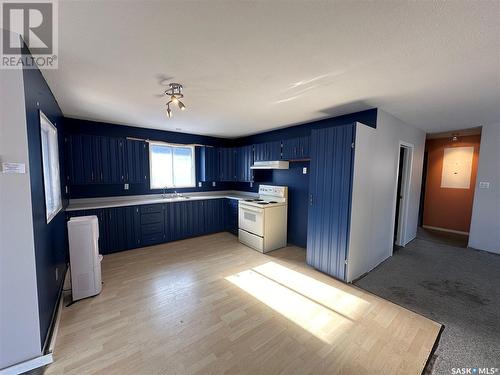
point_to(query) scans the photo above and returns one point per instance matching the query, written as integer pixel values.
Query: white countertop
(134, 200)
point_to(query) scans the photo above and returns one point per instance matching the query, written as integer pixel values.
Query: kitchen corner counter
(134, 200)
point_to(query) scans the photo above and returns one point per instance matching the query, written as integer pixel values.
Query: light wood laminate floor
(210, 305)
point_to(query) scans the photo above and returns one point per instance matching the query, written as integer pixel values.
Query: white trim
(193, 166)
(46, 124)
(28, 365)
(445, 230)
(401, 239)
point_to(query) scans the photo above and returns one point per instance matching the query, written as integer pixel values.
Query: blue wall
(50, 239)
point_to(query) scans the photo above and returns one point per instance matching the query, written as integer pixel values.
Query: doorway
(402, 195)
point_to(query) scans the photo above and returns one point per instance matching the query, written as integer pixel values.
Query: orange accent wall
(444, 207)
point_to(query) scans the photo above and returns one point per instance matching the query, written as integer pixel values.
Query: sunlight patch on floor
(317, 319)
(329, 296)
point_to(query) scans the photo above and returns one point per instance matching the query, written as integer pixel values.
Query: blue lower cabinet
(231, 216)
(330, 199)
(152, 219)
(123, 228)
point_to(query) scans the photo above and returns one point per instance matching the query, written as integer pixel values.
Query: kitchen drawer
(151, 239)
(152, 228)
(151, 208)
(155, 217)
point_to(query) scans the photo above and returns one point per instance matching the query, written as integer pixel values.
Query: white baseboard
(445, 230)
(28, 365)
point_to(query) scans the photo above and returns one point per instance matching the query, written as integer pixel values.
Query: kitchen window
(171, 166)
(50, 163)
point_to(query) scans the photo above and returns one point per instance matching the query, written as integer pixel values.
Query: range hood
(275, 164)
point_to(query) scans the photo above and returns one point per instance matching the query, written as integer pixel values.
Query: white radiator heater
(85, 260)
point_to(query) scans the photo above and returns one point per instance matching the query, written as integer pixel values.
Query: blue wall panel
(368, 117)
(50, 239)
(330, 199)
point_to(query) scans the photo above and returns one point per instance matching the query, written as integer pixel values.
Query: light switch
(304, 170)
(125, 186)
(484, 185)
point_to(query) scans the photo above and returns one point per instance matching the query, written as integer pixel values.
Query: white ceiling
(251, 66)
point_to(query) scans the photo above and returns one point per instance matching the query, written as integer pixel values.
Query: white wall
(19, 324)
(374, 195)
(484, 231)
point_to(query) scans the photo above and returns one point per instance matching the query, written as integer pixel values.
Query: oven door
(251, 219)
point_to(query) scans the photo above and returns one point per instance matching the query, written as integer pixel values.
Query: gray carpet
(455, 286)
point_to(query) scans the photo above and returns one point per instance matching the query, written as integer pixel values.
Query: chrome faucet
(164, 194)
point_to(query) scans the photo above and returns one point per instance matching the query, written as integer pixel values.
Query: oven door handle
(251, 209)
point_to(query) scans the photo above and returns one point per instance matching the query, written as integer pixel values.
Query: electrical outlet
(57, 274)
(484, 185)
(251, 184)
(125, 186)
(304, 170)
(199, 184)
(213, 183)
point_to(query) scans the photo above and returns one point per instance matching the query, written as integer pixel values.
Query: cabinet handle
(92, 176)
(101, 176)
(310, 199)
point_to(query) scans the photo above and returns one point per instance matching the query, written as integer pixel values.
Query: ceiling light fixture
(454, 137)
(175, 93)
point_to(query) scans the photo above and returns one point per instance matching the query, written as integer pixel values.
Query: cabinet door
(135, 157)
(244, 158)
(103, 144)
(260, 153)
(290, 147)
(274, 150)
(88, 159)
(116, 227)
(209, 164)
(173, 221)
(214, 215)
(296, 148)
(304, 147)
(330, 199)
(226, 164)
(267, 151)
(231, 216)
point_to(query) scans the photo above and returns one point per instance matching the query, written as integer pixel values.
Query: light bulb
(181, 105)
(169, 112)
(174, 99)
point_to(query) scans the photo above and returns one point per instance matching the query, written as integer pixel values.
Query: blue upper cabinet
(105, 160)
(209, 164)
(267, 151)
(227, 170)
(136, 155)
(244, 160)
(330, 182)
(296, 148)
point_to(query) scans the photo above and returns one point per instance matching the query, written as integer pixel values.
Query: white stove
(263, 220)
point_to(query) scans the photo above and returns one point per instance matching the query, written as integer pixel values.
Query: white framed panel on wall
(457, 167)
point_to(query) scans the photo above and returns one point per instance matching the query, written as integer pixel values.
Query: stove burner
(263, 203)
(273, 202)
(254, 200)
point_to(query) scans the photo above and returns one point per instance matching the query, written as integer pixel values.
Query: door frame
(401, 238)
